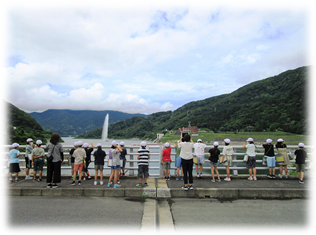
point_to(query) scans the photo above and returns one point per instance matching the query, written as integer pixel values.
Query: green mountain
(76, 122)
(274, 103)
(21, 126)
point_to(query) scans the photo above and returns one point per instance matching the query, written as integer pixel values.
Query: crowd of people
(188, 153)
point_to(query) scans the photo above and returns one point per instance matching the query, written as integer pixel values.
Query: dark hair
(186, 138)
(55, 138)
(112, 147)
(251, 142)
(39, 145)
(143, 147)
(99, 149)
(226, 143)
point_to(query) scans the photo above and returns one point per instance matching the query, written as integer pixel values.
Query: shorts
(117, 167)
(178, 162)
(78, 167)
(124, 163)
(270, 161)
(166, 165)
(143, 169)
(28, 163)
(38, 165)
(251, 162)
(201, 159)
(300, 167)
(98, 167)
(229, 161)
(14, 168)
(214, 164)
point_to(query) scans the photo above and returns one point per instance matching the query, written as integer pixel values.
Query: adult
(281, 147)
(186, 155)
(55, 149)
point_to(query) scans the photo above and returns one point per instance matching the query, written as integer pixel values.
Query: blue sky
(145, 58)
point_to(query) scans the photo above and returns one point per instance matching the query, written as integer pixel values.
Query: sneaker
(84, 178)
(72, 177)
(109, 184)
(213, 180)
(95, 183)
(301, 181)
(198, 175)
(191, 187)
(118, 181)
(49, 185)
(254, 178)
(218, 180)
(28, 177)
(89, 177)
(101, 182)
(270, 176)
(181, 178)
(79, 183)
(273, 176)
(177, 178)
(250, 178)
(16, 180)
(55, 186)
(39, 179)
(227, 179)
(139, 185)
(201, 175)
(280, 176)
(146, 184)
(168, 178)
(286, 177)
(73, 183)
(185, 188)
(117, 186)
(10, 180)
(165, 178)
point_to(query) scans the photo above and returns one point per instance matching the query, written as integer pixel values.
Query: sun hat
(250, 139)
(143, 143)
(76, 144)
(122, 143)
(79, 143)
(199, 140)
(114, 143)
(15, 145)
(227, 141)
(85, 145)
(99, 145)
(280, 140)
(167, 144)
(301, 145)
(38, 142)
(215, 143)
(29, 140)
(269, 141)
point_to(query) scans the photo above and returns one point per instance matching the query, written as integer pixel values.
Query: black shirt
(301, 155)
(268, 150)
(99, 157)
(214, 154)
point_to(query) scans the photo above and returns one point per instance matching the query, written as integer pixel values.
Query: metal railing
(155, 168)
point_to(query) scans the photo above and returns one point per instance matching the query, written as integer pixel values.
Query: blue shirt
(12, 155)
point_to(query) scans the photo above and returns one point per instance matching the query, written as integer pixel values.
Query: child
(166, 160)
(213, 157)
(143, 157)
(178, 162)
(14, 162)
(28, 158)
(123, 157)
(314, 160)
(99, 157)
(115, 172)
(281, 147)
(37, 160)
(88, 160)
(269, 154)
(199, 150)
(301, 155)
(251, 163)
(72, 159)
(79, 155)
(228, 152)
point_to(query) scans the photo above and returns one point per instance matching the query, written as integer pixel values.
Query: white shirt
(199, 149)
(251, 150)
(228, 150)
(186, 150)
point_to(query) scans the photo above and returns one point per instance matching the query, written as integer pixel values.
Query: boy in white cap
(251, 163)
(269, 154)
(28, 158)
(228, 152)
(213, 157)
(199, 150)
(166, 160)
(301, 155)
(79, 155)
(143, 162)
(14, 162)
(38, 160)
(72, 159)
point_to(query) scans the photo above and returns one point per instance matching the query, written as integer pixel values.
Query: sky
(146, 56)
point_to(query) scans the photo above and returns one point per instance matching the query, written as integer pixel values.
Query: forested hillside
(21, 126)
(76, 122)
(274, 103)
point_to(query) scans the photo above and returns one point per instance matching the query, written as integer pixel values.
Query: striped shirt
(143, 157)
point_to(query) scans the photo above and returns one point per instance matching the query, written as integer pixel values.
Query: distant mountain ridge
(75, 122)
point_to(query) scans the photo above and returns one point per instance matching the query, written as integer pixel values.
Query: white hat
(15, 145)
(79, 143)
(269, 141)
(85, 145)
(215, 143)
(143, 143)
(167, 144)
(114, 143)
(76, 144)
(29, 140)
(227, 141)
(199, 140)
(250, 139)
(280, 140)
(99, 145)
(38, 142)
(122, 143)
(301, 145)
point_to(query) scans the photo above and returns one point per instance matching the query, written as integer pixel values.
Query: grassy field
(241, 137)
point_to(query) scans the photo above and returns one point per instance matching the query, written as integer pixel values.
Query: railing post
(235, 172)
(161, 147)
(131, 164)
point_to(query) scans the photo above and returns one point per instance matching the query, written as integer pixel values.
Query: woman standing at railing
(55, 149)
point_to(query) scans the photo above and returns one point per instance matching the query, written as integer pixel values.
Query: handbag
(110, 162)
(279, 158)
(51, 157)
(222, 159)
(195, 159)
(264, 160)
(246, 157)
